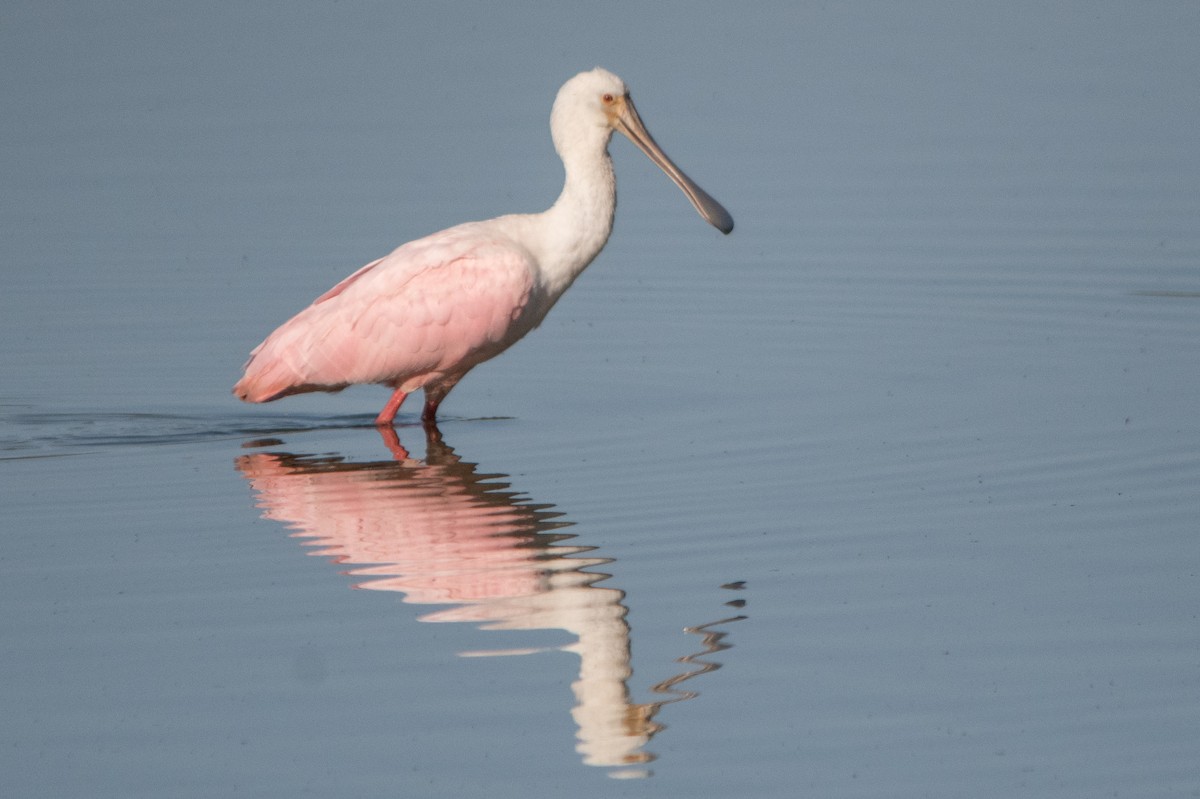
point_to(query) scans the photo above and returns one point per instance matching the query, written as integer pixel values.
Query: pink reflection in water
(438, 532)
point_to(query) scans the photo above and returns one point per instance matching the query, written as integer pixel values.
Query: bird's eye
(608, 99)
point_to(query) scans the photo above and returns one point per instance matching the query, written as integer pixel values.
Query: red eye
(608, 99)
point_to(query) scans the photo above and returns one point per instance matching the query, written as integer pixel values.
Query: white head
(590, 106)
(580, 112)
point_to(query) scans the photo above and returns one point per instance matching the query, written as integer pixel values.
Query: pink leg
(429, 415)
(433, 398)
(388, 414)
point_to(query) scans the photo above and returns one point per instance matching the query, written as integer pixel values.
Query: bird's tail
(267, 379)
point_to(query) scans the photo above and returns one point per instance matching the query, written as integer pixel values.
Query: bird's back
(432, 309)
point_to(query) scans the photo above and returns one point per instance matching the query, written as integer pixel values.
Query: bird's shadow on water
(27, 432)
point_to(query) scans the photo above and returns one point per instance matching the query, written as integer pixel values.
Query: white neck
(577, 226)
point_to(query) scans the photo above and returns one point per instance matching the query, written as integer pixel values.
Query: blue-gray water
(893, 492)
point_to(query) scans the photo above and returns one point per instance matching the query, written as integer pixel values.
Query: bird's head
(591, 105)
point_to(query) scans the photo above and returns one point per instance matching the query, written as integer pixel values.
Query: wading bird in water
(436, 307)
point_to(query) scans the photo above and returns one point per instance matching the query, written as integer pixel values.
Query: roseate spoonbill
(424, 315)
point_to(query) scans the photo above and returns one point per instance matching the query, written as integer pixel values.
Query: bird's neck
(576, 227)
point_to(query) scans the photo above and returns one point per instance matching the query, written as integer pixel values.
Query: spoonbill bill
(425, 315)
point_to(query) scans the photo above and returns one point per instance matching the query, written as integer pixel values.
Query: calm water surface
(894, 492)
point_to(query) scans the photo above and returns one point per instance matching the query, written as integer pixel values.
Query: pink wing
(433, 307)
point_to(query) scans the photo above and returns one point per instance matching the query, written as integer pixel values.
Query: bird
(434, 308)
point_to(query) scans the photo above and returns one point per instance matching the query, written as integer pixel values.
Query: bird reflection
(439, 532)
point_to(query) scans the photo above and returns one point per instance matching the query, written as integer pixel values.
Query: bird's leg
(388, 414)
(434, 394)
(429, 415)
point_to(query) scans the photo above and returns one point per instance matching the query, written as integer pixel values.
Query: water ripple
(29, 433)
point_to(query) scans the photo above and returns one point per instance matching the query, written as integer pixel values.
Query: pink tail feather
(268, 379)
